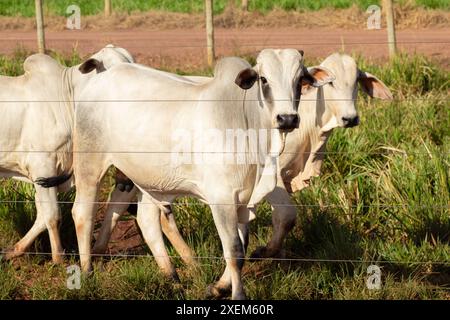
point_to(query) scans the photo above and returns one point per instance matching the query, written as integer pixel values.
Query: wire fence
(214, 100)
(134, 255)
(226, 43)
(187, 204)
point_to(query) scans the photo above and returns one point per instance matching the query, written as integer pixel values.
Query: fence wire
(188, 204)
(128, 255)
(227, 43)
(218, 100)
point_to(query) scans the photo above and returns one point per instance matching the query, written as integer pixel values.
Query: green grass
(384, 197)
(89, 7)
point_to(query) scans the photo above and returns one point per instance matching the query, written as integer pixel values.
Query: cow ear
(373, 86)
(246, 78)
(317, 76)
(314, 77)
(91, 64)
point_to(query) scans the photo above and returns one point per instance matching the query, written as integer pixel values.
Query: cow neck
(267, 173)
(311, 134)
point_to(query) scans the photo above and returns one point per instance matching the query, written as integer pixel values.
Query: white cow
(321, 110)
(154, 107)
(37, 111)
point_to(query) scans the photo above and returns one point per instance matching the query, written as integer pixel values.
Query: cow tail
(53, 181)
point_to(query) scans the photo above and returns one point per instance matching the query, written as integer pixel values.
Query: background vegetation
(383, 199)
(90, 7)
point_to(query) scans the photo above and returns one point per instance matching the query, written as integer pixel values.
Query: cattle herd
(247, 134)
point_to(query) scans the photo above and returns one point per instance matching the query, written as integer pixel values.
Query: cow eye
(263, 80)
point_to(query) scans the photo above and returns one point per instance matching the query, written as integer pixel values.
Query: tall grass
(25, 8)
(383, 198)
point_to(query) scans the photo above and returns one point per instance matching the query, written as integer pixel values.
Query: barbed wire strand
(208, 100)
(388, 152)
(227, 45)
(128, 255)
(396, 205)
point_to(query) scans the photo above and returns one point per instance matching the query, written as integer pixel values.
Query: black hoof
(213, 292)
(175, 278)
(258, 254)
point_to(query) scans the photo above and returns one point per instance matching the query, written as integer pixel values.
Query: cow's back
(31, 107)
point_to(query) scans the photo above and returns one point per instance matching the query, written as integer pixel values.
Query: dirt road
(184, 49)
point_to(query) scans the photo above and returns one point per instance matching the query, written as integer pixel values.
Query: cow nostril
(288, 121)
(350, 122)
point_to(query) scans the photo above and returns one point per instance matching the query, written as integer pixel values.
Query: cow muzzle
(350, 122)
(288, 121)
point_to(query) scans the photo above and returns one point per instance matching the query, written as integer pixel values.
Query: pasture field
(383, 199)
(91, 7)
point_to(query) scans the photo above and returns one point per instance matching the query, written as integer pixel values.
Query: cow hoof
(213, 292)
(98, 252)
(11, 254)
(58, 260)
(173, 277)
(259, 253)
(264, 253)
(239, 296)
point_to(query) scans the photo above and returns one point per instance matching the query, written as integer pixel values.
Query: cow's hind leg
(170, 229)
(88, 174)
(118, 204)
(47, 205)
(148, 218)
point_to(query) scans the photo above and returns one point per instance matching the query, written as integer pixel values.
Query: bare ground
(185, 48)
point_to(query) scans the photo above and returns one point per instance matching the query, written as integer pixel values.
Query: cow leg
(225, 218)
(87, 179)
(118, 204)
(47, 214)
(148, 219)
(170, 229)
(243, 235)
(47, 206)
(22, 246)
(223, 287)
(283, 219)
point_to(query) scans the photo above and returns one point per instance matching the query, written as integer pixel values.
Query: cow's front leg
(22, 246)
(118, 204)
(48, 214)
(284, 215)
(225, 218)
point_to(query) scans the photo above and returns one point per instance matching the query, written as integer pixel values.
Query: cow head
(277, 74)
(105, 59)
(340, 94)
